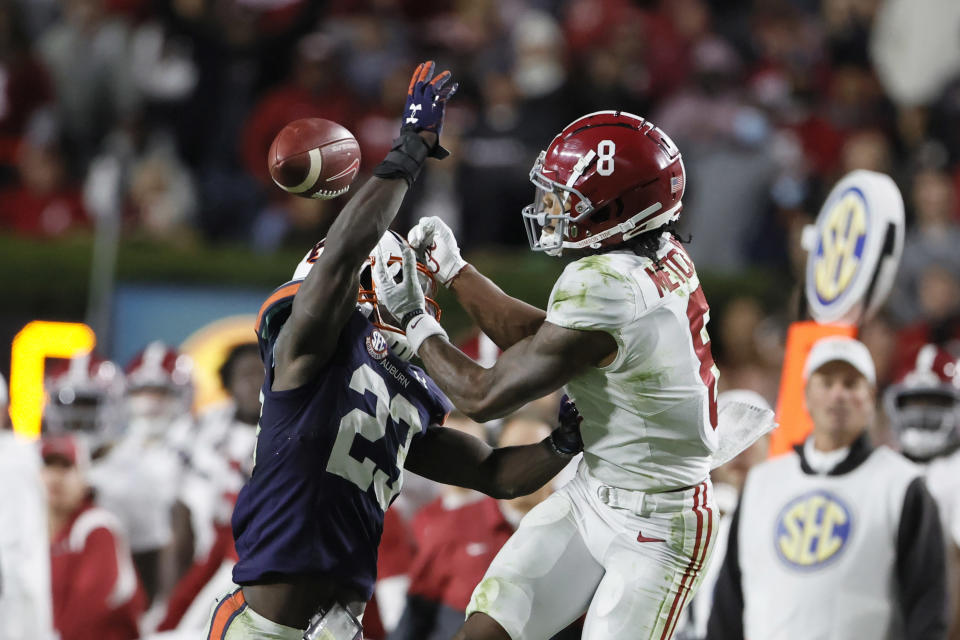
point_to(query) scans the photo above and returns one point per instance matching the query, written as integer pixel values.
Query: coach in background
(840, 539)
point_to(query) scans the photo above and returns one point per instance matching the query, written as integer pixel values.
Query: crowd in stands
(159, 113)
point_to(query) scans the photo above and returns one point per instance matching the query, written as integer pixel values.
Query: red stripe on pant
(699, 493)
(703, 555)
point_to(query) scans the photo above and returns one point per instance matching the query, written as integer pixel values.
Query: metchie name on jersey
(675, 269)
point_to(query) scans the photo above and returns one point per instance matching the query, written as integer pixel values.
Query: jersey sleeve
(592, 294)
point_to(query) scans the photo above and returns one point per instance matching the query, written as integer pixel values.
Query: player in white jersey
(924, 411)
(625, 333)
(26, 610)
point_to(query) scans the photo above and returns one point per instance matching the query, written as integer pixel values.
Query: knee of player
(507, 602)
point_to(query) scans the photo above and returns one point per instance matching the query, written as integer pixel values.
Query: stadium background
(133, 136)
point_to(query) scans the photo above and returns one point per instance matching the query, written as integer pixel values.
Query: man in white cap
(839, 539)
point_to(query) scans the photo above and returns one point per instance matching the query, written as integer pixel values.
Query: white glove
(399, 298)
(404, 299)
(434, 240)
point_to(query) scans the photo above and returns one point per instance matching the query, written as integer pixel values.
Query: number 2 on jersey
(698, 313)
(358, 422)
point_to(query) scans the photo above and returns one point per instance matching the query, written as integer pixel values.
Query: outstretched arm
(503, 318)
(327, 296)
(531, 368)
(453, 457)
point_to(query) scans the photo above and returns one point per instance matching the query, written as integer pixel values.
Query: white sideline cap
(842, 349)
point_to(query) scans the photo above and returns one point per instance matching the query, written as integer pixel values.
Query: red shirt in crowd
(454, 549)
(96, 593)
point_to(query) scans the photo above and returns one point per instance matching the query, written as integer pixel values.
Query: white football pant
(630, 560)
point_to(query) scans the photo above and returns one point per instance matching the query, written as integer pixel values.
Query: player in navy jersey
(344, 412)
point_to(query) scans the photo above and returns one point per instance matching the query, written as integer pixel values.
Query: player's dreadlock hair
(646, 244)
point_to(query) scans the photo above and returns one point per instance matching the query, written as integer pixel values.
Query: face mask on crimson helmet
(924, 405)
(606, 178)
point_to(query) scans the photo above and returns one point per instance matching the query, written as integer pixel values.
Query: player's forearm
(503, 318)
(369, 213)
(365, 219)
(517, 471)
(471, 388)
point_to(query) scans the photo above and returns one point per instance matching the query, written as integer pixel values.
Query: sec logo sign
(839, 252)
(854, 249)
(812, 530)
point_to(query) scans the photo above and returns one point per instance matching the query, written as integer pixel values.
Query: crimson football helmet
(159, 383)
(392, 244)
(924, 406)
(606, 178)
(84, 396)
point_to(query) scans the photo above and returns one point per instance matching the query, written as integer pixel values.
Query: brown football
(314, 158)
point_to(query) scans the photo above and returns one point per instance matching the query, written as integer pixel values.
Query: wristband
(410, 315)
(405, 158)
(567, 450)
(421, 327)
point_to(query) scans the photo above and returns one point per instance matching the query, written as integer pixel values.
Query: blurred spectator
(88, 55)
(96, 595)
(457, 536)
(314, 90)
(727, 140)
(84, 399)
(932, 240)
(495, 160)
(220, 451)
(924, 412)
(739, 352)
(857, 547)
(24, 85)
(938, 293)
(396, 553)
(867, 149)
(26, 611)
(727, 485)
(139, 478)
(43, 202)
(150, 188)
(237, 54)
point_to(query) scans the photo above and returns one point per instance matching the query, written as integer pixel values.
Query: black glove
(566, 438)
(423, 111)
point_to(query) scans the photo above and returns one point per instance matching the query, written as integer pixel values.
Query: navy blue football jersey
(329, 456)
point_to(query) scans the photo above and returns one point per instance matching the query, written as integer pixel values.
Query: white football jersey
(943, 481)
(650, 416)
(26, 609)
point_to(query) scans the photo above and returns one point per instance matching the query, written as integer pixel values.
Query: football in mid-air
(314, 158)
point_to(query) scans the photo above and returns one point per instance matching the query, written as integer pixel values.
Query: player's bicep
(448, 456)
(543, 363)
(309, 336)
